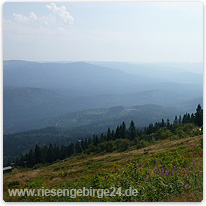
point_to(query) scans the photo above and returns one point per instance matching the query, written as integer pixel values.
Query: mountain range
(37, 94)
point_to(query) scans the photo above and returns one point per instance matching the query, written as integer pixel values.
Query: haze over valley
(37, 92)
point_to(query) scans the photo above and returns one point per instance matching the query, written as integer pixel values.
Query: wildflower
(191, 163)
(155, 168)
(159, 165)
(186, 186)
(175, 167)
(200, 171)
(179, 168)
(166, 171)
(194, 169)
(142, 166)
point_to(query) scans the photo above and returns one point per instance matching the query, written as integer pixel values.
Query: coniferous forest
(119, 140)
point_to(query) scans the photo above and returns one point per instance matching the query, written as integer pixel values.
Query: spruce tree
(132, 131)
(37, 155)
(109, 135)
(199, 115)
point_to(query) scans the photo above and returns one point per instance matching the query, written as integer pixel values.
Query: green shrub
(14, 183)
(141, 144)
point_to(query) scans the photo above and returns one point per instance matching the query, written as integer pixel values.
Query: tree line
(119, 139)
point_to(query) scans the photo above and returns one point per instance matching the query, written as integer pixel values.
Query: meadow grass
(171, 170)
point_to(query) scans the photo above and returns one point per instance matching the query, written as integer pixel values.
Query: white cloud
(61, 13)
(20, 18)
(33, 16)
(59, 16)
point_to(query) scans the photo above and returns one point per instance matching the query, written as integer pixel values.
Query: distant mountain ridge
(78, 77)
(38, 91)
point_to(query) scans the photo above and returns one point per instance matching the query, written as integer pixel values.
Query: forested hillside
(163, 162)
(118, 140)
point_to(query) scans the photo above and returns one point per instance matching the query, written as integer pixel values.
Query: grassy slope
(78, 171)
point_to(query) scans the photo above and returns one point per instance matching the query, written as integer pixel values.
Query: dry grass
(187, 197)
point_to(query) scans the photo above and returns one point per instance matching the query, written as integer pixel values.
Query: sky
(103, 31)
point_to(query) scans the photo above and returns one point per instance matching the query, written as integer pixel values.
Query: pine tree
(117, 133)
(192, 119)
(123, 130)
(168, 125)
(30, 159)
(63, 152)
(89, 141)
(50, 154)
(199, 115)
(175, 121)
(56, 152)
(162, 123)
(109, 135)
(132, 131)
(95, 140)
(180, 119)
(113, 135)
(37, 155)
(150, 129)
(70, 149)
(86, 143)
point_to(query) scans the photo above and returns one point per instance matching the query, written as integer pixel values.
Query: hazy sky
(104, 31)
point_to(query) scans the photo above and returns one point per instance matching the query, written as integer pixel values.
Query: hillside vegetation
(120, 139)
(163, 162)
(170, 170)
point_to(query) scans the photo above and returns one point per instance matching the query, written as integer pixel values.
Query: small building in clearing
(7, 169)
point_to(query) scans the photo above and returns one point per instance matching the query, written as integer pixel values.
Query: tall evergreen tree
(86, 143)
(50, 154)
(113, 135)
(117, 133)
(162, 123)
(175, 121)
(123, 130)
(168, 125)
(132, 131)
(199, 115)
(37, 155)
(109, 135)
(30, 160)
(150, 129)
(180, 119)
